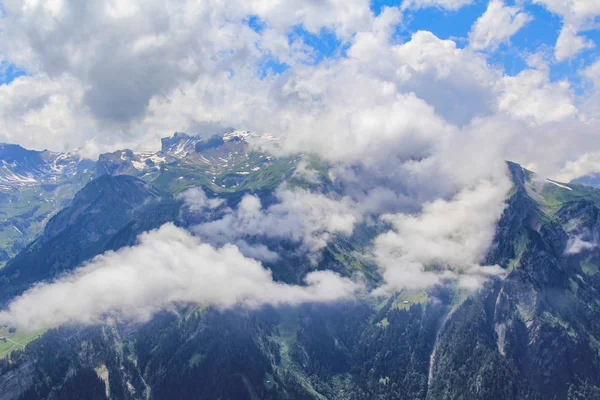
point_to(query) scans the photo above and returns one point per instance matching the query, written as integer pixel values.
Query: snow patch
(558, 184)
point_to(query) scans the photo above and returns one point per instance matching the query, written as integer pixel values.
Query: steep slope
(20, 167)
(85, 228)
(113, 209)
(588, 180)
(33, 186)
(533, 334)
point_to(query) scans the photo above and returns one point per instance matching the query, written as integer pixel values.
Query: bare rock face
(15, 382)
(20, 167)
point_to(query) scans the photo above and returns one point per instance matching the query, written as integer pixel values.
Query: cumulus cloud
(34, 109)
(577, 15)
(129, 53)
(497, 25)
(576, 12)
(532, 96)
(196, 200)
(569, 43)
(589, 110)
(382, 100)
(167, 267)
(300, 216)
(593, 73)
(587, 164)
(447, 240)
(132, 55)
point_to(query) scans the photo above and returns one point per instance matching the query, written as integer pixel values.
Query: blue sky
(8, 72)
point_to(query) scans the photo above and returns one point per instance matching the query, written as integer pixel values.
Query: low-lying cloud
(447, 241)
(197, 201)
(309, 219)
(577, 244)
(168, 266)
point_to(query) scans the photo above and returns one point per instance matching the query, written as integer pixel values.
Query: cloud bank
(141, 71)
(448, 240)
(300, 216)
(168, 266)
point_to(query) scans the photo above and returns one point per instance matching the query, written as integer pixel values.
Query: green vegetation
(313, 172)
(195, 360)
(384, 323)
(553, 197)
(348, 260)
(501, 341)
(15, 340)
(519, 245)
(24, 212)
(589, 268)
(269, 382)
(407, 298)
(253, 174)
(176, 178)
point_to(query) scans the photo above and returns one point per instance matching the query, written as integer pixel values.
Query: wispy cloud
(308, 219)
(577, 244)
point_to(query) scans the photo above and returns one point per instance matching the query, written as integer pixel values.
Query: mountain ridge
(499, 342)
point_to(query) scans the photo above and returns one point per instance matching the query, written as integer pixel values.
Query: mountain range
(531, 333)
(34, 185)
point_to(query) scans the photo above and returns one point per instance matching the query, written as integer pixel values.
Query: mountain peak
(23, 167)
(179, 144)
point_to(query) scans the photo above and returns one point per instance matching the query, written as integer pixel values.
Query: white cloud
(577, 244)
(300, 216)
(587, 164)
(129, 55)
(341, 16)
(35, 109)
(576, 12)
(167, 267)
(530, 95)
(577, 16)
(196, 200)
(589, 108)
(497, 24)
(384, 101)
(447, 240)
(592, 73)
(569, 43)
